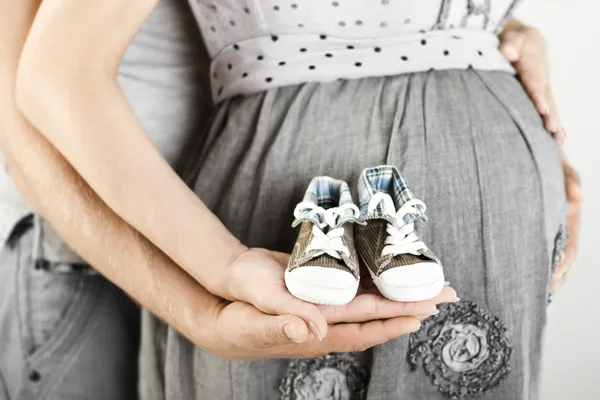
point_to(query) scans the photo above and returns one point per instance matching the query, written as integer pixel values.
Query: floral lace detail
(464, 350)
(331, 377)
(560, 242)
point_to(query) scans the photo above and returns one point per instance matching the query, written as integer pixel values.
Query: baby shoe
(323, 267)
(401, 265)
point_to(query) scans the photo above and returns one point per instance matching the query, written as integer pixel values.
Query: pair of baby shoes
(336, 236)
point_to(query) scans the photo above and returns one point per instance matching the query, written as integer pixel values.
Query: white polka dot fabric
(260, 44)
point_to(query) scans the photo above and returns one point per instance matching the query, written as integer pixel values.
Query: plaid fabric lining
(387, 179)
(326, 192)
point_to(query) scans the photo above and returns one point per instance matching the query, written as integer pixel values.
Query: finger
(562, 268)
(568, 260)
(552, 120)
(274, 298)
(243, 327)
(360, 337)
(533, 73)
(285, 303)
(535, 83)
(368, 307)
(511, 44)
(558, 282)
(281, 258)
(572, 183)
(266, 330)
(448, 295)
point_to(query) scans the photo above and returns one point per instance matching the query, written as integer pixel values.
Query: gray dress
(467, 139)
(473, 148)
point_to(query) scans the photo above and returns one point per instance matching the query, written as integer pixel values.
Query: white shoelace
(402, 238)
(331, 242)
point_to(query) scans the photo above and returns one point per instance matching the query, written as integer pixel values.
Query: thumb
(268, 330)
(511, 45)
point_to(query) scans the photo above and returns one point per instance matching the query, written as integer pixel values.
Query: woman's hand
(527, 50)
(257, 277)
(241, 331)
(573, 189)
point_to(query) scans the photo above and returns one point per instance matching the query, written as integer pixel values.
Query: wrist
(221, 279)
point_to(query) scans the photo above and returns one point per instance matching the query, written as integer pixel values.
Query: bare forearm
(74, 100)
(54, 188)
(107, 242)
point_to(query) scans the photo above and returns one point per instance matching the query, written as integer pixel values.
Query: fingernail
(545, 109)
(290, 332)
(457, 300)
(417, 328)
(562, 132)
(436, 312)
(315, 330)
(446, 283)
(511, 53)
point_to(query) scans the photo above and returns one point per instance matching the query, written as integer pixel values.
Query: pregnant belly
(468, 142)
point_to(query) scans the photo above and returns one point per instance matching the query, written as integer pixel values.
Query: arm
(52, 187)
(67, 88)
(119, 252)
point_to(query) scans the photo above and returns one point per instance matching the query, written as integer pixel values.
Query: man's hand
(527, 50)
(241, 331)
(257, 277)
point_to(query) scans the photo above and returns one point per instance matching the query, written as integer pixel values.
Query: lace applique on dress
(331, 377)
(464, 350)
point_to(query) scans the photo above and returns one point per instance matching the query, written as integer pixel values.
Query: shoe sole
(319, 294)
(410, 293)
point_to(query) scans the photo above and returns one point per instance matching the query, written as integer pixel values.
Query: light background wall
(571, 367)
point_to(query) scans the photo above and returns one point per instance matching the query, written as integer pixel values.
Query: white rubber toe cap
(412, 282)
(321, 285)
(412, 275)
(321, 277)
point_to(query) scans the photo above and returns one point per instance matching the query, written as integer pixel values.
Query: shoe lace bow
(332, 242)
(402, 238)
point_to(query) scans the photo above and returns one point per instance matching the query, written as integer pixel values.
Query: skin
(527, 50)
(53, 77)
(229, 329)
(81, 77)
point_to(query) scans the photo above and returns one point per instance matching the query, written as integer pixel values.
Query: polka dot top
(256, 45)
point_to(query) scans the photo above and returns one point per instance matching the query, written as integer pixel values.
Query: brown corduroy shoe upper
(301, 258)
(370, 241)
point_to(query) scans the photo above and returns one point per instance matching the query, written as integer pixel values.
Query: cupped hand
(573, 189)
(527, 50)
(241, 331)
(256, 277)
